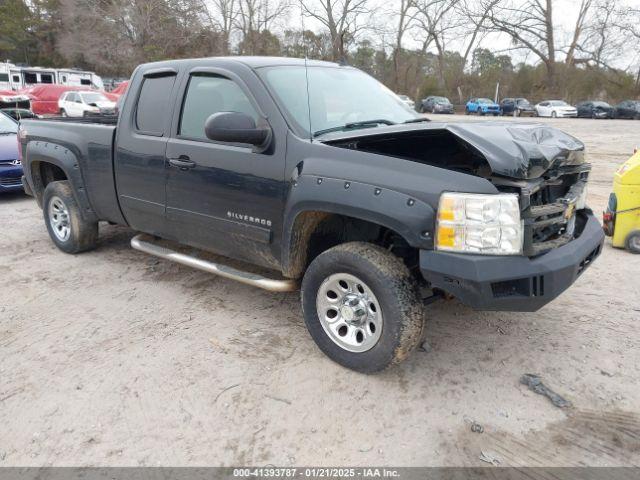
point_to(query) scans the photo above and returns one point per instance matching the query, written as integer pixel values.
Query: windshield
(523, 101)
(7, 125)
(441, 100)
(337, 96)
(93, 97)
(485, 100)
(558, 103)
(601, 104)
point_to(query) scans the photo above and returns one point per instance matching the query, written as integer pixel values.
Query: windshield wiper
(417, 120)
(351, 125)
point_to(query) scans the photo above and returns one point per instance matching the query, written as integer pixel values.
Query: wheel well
(315, 232)
(43, 173)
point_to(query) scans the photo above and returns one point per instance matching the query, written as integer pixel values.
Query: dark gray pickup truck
(317, 173)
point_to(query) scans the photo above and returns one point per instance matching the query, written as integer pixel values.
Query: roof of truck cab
(251, 62)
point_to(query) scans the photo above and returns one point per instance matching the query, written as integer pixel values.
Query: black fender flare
(410, 217)
(41, 151)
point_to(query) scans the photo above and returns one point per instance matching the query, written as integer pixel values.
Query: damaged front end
(544, 166)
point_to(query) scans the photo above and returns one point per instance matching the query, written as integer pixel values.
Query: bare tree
(529, 23)
(437, 21)
(344, 19)
(255, 17)
(473, 23)
(406, 14)
(222, 15)
(578, 30)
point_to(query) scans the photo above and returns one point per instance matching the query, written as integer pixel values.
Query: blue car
(10, 166)
(482, 106)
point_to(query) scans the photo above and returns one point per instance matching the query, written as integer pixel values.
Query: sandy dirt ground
(116, 358)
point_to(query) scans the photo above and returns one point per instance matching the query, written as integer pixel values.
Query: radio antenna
(306, 69)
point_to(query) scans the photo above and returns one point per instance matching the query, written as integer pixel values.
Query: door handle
(182, 162)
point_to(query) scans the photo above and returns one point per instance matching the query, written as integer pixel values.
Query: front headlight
(476, 223)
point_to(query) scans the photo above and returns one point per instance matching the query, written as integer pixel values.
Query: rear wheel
(633, 242)
(68, 230)
(362, 307)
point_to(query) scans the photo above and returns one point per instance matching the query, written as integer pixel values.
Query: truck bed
(87, 151)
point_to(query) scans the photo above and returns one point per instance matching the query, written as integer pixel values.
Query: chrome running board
(144, 243)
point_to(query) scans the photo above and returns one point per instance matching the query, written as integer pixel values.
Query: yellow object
(626, 187)
(446, 236)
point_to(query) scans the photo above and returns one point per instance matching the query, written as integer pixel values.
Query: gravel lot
(116, 358)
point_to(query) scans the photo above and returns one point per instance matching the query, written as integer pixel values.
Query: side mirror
(236, 127)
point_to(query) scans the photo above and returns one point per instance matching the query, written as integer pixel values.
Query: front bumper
(514, 283)
(10, 178)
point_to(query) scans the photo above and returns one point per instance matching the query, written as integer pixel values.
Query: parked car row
(519, 107)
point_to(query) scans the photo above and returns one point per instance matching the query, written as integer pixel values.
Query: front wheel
(63, 112)
(69, 231)
(554, 115)
(362, 307)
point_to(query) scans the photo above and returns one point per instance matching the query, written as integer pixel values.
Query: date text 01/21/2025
(315, 472)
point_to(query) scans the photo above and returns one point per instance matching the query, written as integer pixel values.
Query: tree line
(415, 47)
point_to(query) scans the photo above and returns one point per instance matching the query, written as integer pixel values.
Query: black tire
(82, 235)
(393, 288)
(63, 113)
(554, 114)
(633, 242)
(466, 111)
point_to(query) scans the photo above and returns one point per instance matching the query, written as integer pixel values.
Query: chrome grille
(550, 217)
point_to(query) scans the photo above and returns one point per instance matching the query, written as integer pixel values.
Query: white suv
(85, 103)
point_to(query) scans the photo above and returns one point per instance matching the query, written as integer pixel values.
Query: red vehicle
(44, 98)
(120, 89)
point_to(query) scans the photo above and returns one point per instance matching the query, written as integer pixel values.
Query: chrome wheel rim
(59, 219)
(634, 242)
(349, 312)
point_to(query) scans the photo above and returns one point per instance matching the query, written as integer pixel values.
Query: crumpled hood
(521, 150)
(517, 150)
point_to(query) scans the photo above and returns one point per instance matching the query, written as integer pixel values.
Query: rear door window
(153, 104)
